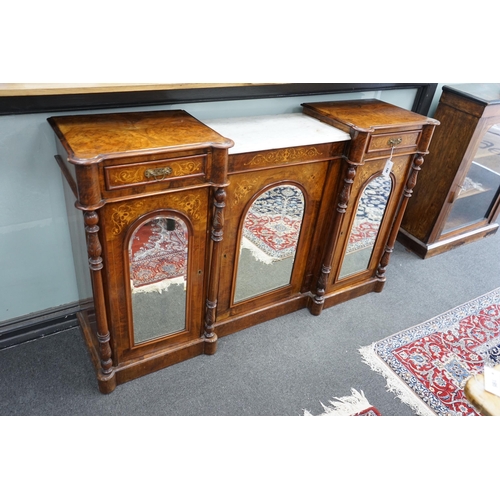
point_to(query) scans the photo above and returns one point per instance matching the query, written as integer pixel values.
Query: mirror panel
(369, 214)
(158, 252)
(269, 241)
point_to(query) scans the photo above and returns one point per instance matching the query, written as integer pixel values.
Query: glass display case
(457, 198)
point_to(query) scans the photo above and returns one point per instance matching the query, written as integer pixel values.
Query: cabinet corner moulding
(185, 231)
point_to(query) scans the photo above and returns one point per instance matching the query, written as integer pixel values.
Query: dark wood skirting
(26, 104)
(426, 250)
(37, 325)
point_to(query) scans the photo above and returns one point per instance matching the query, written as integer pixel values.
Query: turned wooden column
(326, 268)
(213, 287)
(106, 376)
(353, 158)
(408, 190)
(89, 201)
(416, 167)
(220, 180)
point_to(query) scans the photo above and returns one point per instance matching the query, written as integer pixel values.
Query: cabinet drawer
(401, 140)
(135, 174)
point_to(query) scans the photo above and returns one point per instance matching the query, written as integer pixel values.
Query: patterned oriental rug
(428, 365)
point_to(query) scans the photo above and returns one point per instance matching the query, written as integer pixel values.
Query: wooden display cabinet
(379, 171)
(457, 199)
(150, 178)
(197, 230)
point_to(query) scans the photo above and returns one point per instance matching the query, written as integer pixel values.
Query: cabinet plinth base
(106, 384)
(158, 360)
(352, 292)
(316, 306)
(127, 371)
(211, 345)
(426, 250)
(234, 324)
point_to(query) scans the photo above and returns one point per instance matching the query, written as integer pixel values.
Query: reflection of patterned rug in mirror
(469, 187)
(370, 211)
(272, 224)
(158, 254)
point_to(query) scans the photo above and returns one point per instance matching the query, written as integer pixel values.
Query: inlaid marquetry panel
(94, 137)
(123, 214)
(283, 156)
(155, 171)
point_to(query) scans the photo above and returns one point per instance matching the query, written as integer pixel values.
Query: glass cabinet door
(475, 197)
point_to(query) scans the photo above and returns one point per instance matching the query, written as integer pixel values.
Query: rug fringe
(345, 406)
(160, 286)
(394, 384)
(256, 252)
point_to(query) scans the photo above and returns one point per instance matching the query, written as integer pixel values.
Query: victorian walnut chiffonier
(457, 199)
(193, 230)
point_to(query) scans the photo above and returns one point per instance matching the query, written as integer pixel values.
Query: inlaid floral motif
(242, 190)
(284, 156)
(190, 205)
(124, 214)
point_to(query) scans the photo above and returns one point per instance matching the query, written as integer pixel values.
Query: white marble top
(259, 133)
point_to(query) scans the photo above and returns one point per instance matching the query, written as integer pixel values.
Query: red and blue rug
(428, 365)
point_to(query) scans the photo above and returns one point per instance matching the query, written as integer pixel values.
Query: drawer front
(135, 174)
(401, 140)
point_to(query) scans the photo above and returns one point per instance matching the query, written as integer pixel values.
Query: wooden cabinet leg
(106, 374)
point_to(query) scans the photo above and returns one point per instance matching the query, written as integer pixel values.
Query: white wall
(36, 262)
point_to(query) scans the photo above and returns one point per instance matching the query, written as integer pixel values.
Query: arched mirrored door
(158, 263)
(364, 231)
(268, 244)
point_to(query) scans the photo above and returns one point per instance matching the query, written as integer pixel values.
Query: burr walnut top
(366, 115)
(88, 138)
